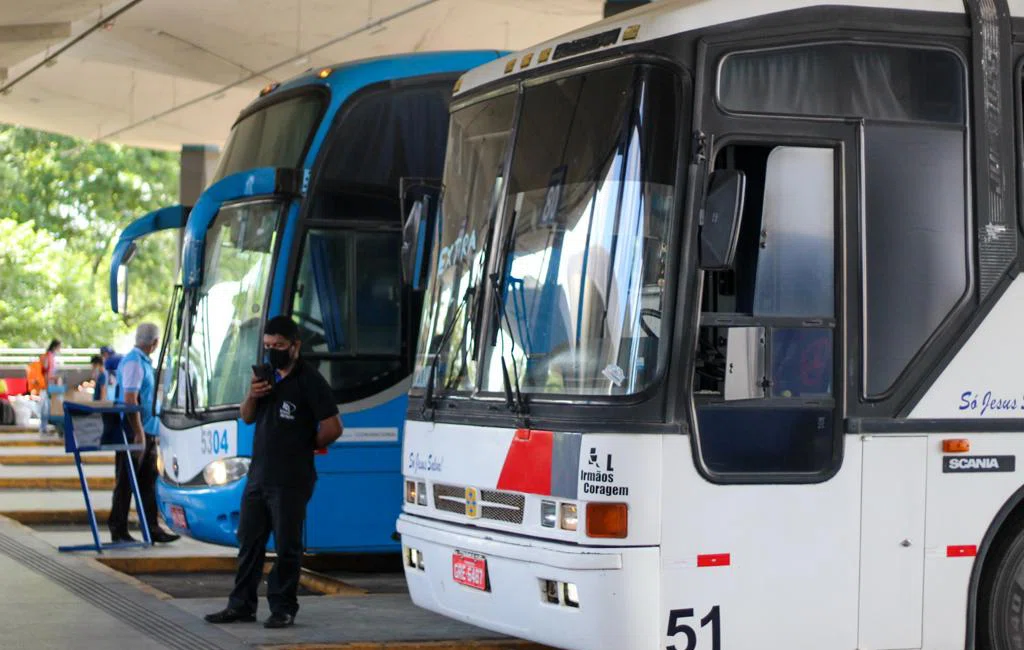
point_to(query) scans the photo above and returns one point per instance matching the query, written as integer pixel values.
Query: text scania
(973, 463)
(600, 483)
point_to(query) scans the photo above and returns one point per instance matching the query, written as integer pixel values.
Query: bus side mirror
(122, 277)
(414, 243)
(720, 219)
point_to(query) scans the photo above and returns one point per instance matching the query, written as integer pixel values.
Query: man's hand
(259, 388)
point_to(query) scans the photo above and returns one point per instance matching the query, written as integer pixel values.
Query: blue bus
(304, 216)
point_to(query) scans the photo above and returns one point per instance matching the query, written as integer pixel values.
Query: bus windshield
(274, 136)
(221, 332)
(586, 217)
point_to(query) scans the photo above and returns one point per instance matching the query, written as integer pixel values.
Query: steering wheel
(654, 313)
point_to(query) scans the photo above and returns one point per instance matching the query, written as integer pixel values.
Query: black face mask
(279, 359)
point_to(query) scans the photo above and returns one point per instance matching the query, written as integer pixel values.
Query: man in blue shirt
(99, 392)
(111, 360)
(136, 385)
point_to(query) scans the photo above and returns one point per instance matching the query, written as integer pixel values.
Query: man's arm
(131, 398)
(257, 390)
(330, 430)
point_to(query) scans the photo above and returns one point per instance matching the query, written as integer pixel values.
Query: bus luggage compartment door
(892, 541)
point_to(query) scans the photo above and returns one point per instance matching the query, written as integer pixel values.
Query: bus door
(769, 376)
(350, 304)
(173, 217)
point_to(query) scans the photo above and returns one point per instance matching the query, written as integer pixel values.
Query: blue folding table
(92, 427)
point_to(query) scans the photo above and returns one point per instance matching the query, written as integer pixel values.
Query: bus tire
(1001, 593)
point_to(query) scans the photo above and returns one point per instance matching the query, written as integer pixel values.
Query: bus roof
(383, 68)
(668, 17)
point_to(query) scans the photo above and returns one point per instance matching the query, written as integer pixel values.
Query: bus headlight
(159, 462)
(416, 492)
(569, 516)
(226, 470)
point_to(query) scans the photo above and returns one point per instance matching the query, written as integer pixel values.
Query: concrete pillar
(612, 7)
(198, 162)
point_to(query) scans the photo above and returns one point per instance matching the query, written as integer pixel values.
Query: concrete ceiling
(163, 73)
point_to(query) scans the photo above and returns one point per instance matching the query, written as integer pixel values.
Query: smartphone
(264, 372)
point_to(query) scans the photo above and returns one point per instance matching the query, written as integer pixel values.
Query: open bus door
(174, 216)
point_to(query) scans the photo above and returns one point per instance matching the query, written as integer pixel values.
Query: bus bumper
(211, 513)
(617, 588)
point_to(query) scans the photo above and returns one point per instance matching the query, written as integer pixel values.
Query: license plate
(469, 570)
(178, 517)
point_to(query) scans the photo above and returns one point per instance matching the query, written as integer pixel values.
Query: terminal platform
(155, 597)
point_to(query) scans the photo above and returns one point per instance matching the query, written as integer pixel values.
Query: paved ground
(61, 600)
(39, 614)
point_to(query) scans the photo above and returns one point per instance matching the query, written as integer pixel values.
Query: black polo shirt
(286, 427)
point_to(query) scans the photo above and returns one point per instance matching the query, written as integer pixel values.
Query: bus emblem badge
(472, 503)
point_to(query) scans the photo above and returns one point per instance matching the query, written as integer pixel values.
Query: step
(54, 459)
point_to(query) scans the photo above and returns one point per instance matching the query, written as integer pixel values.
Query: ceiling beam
(34, 32)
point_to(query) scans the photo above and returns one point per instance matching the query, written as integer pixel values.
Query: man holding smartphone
(295, 414)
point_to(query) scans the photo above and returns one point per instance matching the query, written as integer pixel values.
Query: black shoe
(230, 615)
(279, 620)
(122, 538)
(163, 537)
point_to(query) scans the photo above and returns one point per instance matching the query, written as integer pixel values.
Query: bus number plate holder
(470, 570)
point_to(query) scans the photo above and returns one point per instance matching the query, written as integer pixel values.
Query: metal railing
(69, 357)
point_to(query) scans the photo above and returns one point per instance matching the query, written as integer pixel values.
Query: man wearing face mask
(295, 414)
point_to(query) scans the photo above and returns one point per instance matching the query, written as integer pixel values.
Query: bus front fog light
(225, 470)
(410, 491)
(570, 594)
(421, 493)
(569, 516)
(547, 514)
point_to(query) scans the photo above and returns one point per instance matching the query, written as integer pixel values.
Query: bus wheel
(1001, 594)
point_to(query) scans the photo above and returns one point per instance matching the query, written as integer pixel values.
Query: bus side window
(764, 389)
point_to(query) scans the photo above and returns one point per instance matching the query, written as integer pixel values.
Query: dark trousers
(265, 510)
(146, 475)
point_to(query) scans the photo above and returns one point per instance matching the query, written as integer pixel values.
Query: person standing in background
(49, 363)
(135, 387)
(111, 360)
(99, 376)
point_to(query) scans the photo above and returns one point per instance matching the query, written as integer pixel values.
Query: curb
(311, 580)
(60, 517)
(42, 442)
(40, 459)
(511, 644)
(56, 483)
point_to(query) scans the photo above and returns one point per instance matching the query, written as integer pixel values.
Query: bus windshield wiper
(428, 391)
(514, 400)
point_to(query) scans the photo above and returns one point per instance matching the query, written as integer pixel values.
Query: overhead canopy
(163, 73)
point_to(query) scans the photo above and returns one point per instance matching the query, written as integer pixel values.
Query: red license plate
(178, 517)
(469, 570)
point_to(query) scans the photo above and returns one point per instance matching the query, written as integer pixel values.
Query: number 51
(675, 627)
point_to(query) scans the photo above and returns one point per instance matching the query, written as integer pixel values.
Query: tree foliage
(63, 203)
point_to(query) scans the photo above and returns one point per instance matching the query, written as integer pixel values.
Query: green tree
(76, 197)
(44, 292)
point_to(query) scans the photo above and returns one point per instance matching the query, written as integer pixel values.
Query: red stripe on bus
(714, 559)
(528, 463)
(961, 551)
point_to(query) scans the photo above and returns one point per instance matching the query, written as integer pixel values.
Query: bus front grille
(498, 506)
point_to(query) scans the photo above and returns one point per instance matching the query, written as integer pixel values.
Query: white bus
(723, 342)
